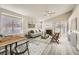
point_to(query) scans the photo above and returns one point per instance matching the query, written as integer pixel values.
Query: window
(10, 25)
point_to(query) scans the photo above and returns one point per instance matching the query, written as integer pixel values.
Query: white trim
(10, 15)
(75, 32)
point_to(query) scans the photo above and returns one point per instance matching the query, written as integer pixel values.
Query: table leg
(6, 50)
(11, 49)
(16, 43)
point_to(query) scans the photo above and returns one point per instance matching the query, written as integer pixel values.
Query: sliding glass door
(74, 32)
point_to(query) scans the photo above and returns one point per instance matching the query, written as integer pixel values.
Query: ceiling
(39, 11)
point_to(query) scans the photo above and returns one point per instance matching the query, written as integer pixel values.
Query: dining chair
(3, 49)
(21, 49)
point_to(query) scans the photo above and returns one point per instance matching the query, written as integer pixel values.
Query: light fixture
(49, 13)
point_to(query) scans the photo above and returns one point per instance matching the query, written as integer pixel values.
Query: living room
(39, 23)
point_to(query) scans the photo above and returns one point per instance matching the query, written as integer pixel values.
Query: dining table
(10, 40)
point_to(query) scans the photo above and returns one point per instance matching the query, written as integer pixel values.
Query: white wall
(72, 26)
(62, 19)
(24, 18)
(30, 20)
(25, 24)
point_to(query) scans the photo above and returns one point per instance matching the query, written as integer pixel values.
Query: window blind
(10, 25)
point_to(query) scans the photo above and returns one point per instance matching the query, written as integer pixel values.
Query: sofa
(34, 33)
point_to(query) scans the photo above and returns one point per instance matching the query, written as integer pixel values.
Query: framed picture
(31, 25)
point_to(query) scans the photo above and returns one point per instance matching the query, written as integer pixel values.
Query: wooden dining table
(11, 39)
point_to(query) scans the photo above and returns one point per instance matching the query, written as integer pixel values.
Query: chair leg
(27, 49)
(57, 41)
(28, 52)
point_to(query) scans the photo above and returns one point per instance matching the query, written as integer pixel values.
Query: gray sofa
(34, 33)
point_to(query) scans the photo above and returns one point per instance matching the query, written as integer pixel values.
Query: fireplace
(49, 32)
